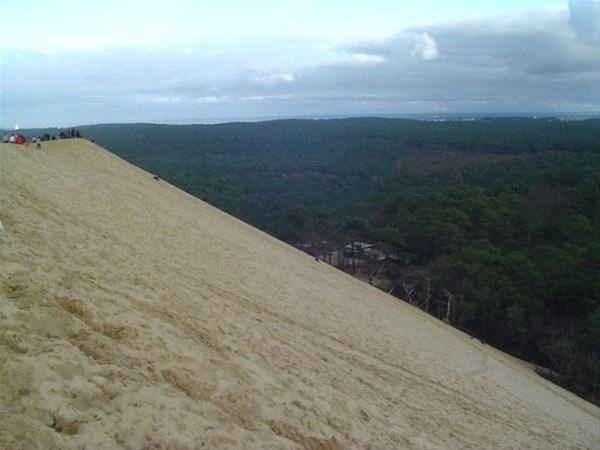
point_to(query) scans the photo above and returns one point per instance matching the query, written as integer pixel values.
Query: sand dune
(133, 315)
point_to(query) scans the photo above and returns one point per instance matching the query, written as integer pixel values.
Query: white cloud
(271, 78)
(161, 99)
(287, 77)
(425, 47)
(210, 99)
(366, 59)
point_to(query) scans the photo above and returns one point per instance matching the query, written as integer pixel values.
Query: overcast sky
(180, 61)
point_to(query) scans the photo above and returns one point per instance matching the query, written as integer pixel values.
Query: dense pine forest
(493, 224)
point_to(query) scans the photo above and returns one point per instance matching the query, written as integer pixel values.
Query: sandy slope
(135, 316)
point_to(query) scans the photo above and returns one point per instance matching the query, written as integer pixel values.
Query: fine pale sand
(133, 315)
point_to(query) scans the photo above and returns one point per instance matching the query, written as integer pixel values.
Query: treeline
(270, 172)
(494, 223)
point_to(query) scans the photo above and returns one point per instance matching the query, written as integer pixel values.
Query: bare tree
(409, 288)
(375, 274)
(449, 302)
(427, 289)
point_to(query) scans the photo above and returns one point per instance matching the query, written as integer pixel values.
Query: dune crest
(133, 315)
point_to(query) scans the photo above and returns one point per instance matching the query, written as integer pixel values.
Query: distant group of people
(71, 133)
(20, 139)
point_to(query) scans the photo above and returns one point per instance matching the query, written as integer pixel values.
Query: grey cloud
(534, 62)
(543, 61)
(531, 44)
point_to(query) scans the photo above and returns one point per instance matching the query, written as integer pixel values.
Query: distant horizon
(450, 116)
